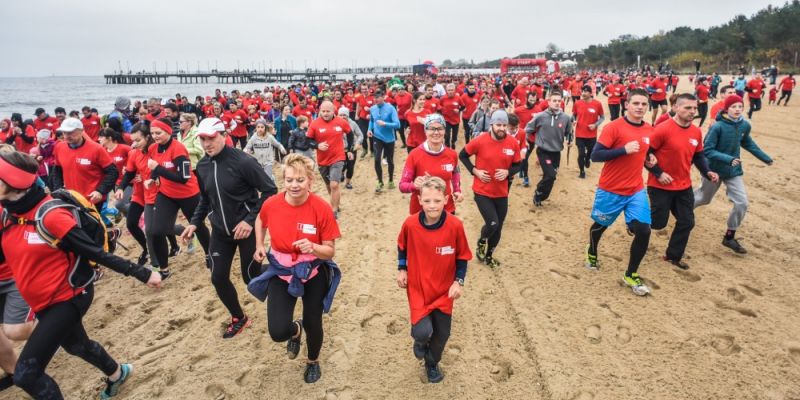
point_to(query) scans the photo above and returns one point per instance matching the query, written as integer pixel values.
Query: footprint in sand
(649, 282)
(216, 392)
(752, 290)
(396, 326)
(744, 311)
(623, 335)
(735, 295)
(527, 292)
(607, 307)
(561, 274)
(362, 300)
(454, 350)
(794, 354)
(583, 395)
(499, 370)
(762, 248)
(686, 275)
(725, 345)
(593, 334)
(366, 321)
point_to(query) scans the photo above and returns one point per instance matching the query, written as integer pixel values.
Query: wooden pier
(156, 78)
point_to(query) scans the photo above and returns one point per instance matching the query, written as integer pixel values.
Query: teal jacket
(723, 144)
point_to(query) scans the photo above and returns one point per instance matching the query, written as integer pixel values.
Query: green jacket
(723, 144)
(193, 146)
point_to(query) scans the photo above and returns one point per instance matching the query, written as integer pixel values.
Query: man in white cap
(82, 165)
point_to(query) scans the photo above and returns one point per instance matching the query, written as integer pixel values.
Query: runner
(615, 92)
(677, 144)
(302, 231)
(171, 171)
(187, 135)
(451, 106)
(432, 159)
(432, 258)
(623, 146)
(755, 90)
(702, 92)
(497, 158)
(658, 96)
(83, 165)
(41, 272)
(718, 107)
(588, 116)
(552, 128)
(786, 86)
(382, 124)
(354, 141)
(230, 183)
(722, 146)
(328, 132)
(403, 100)
(364, 100)
(416, 122)
(262, 145)
(471, 99)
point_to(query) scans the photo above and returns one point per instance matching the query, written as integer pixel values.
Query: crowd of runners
(67, 183)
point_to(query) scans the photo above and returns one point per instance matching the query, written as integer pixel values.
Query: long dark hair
(144, 130)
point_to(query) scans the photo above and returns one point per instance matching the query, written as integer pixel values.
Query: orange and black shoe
(236, 326)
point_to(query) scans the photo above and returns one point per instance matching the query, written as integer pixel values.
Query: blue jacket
(723, 143)
(278, 122)
(388, 114)
(258, 286)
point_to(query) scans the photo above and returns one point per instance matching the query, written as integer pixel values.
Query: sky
(94, 37)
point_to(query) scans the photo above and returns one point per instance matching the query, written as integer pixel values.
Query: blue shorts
(607, 207)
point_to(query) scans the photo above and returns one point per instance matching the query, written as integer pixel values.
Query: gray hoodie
(262, 148)
(551, 129)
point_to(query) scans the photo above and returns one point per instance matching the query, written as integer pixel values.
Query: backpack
(83, 272)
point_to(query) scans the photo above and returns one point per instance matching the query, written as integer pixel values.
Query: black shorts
(656, 103)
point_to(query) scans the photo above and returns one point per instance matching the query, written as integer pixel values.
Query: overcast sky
(91, 37)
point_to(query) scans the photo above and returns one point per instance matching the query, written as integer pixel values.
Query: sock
(730, 234)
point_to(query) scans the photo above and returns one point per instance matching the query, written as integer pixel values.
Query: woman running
(432, 283)
(302, 232)
(415, 118)
(497, 158)
(230, 183)
(433, 158)
(47, 280)
(177, 189)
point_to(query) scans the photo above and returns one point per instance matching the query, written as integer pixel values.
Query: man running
(755, 90)
(786, 86)
(552, 128)
(383, 122)
(588, 116)
(677, 144)
(658, 96)
(623, 147)
(83, 165)
(615, 92)
(451, 106)
(328, 132)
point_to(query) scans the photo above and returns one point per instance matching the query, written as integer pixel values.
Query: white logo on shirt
(443, 251)
(169, 164)
(338, 129)
(592, 110)
(448, 167)
(646, 140)
(322, 130)
(307, 229)
(693, 142)
(118, 158)
(508, 152)
(84, 161)
(33, 238)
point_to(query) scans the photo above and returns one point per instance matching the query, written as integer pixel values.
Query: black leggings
(450, 135)
(135, 211)
(367, 144)
(787, 94)
(755, 105)
(280, 311)
(148, 233)
(614, 111)
(165, 214)
(680, 203)
(493, 210)
(241, 141)
(380, 148)
(59, 325)
(702, 112)
(222, 249)
(641, 239)
(524, 166)
(432, 332)
(585, 147)
(467, 130)
(403, 126)
(550, 161)
(350, 165)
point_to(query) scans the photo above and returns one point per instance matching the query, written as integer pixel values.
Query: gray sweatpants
(734, 188)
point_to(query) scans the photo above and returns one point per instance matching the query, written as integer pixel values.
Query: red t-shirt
(431, 257)
(433, 105)
(308, 112)
(416, 134)
(471, 104)
(787, 84)
(525, 114)
(23, 146)
(39, 270)
(82, 168)
(403, 104)
(331, 132)
(442, 165)
(716, 109)
(312, 220)
(365, 103)
(491, 155)
(91, 126)
(615, 93)
(658, 84)
(587, 114)
(137, 163)
(240, 117)
(49, 123)
(662, 118)
(756, 87)
(623, 175)
(520, 94)
(674, 148)
(166, 160)
(702, 93)
(119, 156)
(451, 107)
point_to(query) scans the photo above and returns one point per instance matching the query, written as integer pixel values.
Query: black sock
(730, 234)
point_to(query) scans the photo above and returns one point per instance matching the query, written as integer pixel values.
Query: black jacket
(230, 183)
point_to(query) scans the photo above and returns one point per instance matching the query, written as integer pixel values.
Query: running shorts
(333, 172)
(656, 103)
(13, 309)
(608, 206)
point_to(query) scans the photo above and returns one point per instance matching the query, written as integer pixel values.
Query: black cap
(39, 111)
(60, 110)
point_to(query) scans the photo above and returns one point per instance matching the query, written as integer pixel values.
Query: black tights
(165, 214)
(135, 211)
(280, 311)
(380, 148)
(524, 169)
(585, 147)
(641, 239)
(432, 332)
(59, 325)
(222, 249)
(148, 233)
(493, 210)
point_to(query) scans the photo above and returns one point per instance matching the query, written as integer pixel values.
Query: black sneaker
(236, 326)
(483, 247)
(434, 373)
(678, 263)
(734, 245)
(537, 202)
(165, 274)
(175, 251)
(142, 260)
(348, 186)
(582, 175)
(419, 350)
(209, 263)
(293, 345)
(313, 372)
(588, 163)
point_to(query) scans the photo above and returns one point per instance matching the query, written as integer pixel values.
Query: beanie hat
(499, 117)
(731, 100)
(434, 118)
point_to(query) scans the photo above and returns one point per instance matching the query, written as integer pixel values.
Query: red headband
(14, 176)
(160, 125)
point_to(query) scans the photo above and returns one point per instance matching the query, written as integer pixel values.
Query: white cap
(344, 111)
(70, 125)
(210, 127)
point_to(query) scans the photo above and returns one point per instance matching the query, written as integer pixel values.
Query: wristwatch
(460, 281)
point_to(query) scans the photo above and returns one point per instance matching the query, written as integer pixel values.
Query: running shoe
(636, 284)
(588, 163)
(678, 263)
(420, 349)
(435, 375)
(348, 186)
(483, 247)
(537, 202)
(582, 175)
(379, 188)
(591, 261)
(336, 215)
(390, 186)
(113, 235)
(142, 260)
(491, 262)
(313, 372)
(175, 251)
(191, 247)
(236, 326)
(384, 162)
(112, 388)
(526, 182)
(293, 345)
(734, 245)
(165, 274)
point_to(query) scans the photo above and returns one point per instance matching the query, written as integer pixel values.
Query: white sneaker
(636, 284)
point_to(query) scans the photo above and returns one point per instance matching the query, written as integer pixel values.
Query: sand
(539, 327)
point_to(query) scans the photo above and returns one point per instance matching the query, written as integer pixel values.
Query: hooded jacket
(723, 144)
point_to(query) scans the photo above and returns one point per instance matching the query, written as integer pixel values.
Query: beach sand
(539, 327)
